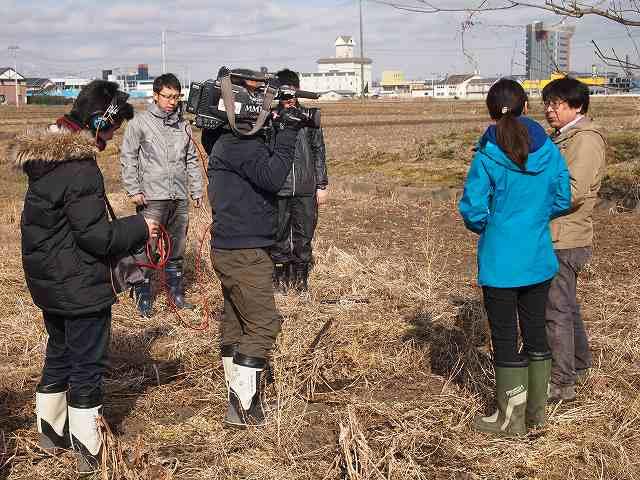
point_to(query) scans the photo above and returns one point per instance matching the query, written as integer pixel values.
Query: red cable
(163, 247)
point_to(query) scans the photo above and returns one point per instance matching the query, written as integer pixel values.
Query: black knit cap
(96, 97)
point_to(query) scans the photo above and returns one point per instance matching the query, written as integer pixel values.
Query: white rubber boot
(51, 413)
(85, 437)
(245, 392)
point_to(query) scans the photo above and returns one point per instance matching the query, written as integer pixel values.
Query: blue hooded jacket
(510, 208)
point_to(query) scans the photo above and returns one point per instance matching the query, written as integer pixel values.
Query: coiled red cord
(159, 261)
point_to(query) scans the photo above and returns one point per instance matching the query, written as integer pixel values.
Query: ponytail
(513, 138)
(506, 101)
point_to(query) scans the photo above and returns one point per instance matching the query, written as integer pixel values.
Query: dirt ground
(381, 368)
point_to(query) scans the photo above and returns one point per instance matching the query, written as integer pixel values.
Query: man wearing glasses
(566, 103)
(160, 171)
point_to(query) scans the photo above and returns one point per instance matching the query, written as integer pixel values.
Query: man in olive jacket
(566, 103)
(67, 243)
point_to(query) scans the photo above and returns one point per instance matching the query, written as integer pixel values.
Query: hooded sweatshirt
(511, 207)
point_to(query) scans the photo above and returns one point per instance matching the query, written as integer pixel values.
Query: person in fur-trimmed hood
(67, 241)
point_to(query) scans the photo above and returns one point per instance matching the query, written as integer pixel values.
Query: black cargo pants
(250, 318)
(297, 221)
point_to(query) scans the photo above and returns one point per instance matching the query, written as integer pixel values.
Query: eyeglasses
(174, 98)
(554, 104)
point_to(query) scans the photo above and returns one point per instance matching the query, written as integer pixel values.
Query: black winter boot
(301, 277)
(173, 272)
(51, 412)
(144, 299)
(245, 390)
(281, 277)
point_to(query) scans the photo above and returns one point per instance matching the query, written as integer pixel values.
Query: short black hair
(95, 97)
(570, 90)
(168, 80)
(288, 77)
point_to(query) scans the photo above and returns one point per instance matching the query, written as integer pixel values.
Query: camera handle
(228, 97)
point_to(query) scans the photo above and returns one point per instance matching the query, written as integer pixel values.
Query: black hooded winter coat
(67, 238)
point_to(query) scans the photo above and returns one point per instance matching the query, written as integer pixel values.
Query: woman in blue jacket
(517, 182)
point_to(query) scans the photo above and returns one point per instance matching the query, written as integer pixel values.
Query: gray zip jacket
(158, 158)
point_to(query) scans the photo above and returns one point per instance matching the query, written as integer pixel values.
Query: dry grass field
(380, 369)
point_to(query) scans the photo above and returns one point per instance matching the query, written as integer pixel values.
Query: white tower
(344, 46)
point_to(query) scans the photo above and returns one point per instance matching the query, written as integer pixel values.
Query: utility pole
(361, 57)
(164, 51)
(14, 51)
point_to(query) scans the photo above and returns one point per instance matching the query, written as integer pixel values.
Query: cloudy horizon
(64, 39)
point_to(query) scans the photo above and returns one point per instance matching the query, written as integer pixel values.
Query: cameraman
(245, 173)
(298, 201)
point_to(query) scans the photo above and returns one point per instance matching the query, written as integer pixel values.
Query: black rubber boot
(51, 413)
(86, 439)
(246, 394)
(281, 277)
(301, 277)
(175, 284)
(144, 300)
(539, 375)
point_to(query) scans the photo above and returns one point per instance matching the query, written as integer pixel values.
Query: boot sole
(502, 433)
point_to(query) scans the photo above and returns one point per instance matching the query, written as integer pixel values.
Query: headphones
(104, 119)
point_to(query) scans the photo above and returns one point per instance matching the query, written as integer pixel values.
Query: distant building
(337, 95)
(477, 88)
(8, 79)
(601, 84)
(454, 86)
(69, 87)
(548, 49)
(394, 84)
(143, 71)
(39, 86)
(339, 73)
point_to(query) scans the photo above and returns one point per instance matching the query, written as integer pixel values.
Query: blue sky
(81, 37)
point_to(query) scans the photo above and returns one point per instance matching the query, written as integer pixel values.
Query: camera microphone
(308, 95)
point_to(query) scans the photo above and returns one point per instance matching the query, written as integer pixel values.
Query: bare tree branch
(615, 61)
(573, 9)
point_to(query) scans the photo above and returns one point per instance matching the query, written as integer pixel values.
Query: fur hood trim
(52, 144)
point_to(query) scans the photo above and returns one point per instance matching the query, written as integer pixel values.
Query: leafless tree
(624, 12)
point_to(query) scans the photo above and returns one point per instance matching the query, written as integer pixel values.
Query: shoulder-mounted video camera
(251, 98)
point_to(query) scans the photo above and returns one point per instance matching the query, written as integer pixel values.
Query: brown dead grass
(379, 369)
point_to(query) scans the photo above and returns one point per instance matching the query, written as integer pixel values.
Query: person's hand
(197, 202)
(322, 196)
(153, 227)
(138, 199)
